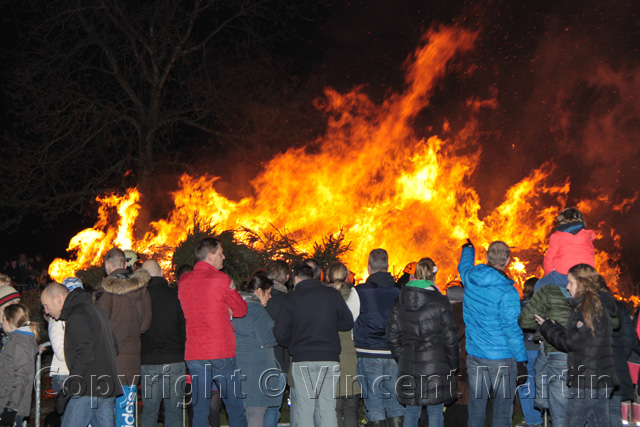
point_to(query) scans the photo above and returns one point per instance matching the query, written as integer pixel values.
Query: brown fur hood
(119, 284)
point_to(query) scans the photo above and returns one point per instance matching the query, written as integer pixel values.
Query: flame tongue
(372, 177)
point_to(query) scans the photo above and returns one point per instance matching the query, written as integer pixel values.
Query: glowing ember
(372, 177)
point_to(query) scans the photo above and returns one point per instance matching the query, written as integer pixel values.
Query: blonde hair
(425, 269)
(4, 280)
(589, 284)
(18, 316)
(337, 275)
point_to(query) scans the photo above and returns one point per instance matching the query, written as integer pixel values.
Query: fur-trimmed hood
(250, 297)
(121, 284)
(125, 299)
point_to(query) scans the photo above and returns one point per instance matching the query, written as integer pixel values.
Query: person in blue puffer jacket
(495, 347)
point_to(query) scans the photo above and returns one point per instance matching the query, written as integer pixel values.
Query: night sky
(563, 78)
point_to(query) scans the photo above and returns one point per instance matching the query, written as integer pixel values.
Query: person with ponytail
(423, 338)
(255, 357)
(17, 360)
(587, 340)
(349, 392)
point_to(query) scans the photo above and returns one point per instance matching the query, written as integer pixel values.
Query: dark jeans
(435, 415)
(377, 379)
(347, 409)
(82, 410)
(223, 372)
(527, 392)
(588, 406)
(57, 381)
(214, 407)
(272, 416)
(551, 385)
(615, 410)
(163, 383)
(495, 379)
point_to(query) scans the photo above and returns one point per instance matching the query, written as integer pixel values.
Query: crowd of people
(413, 355)
(26, 272)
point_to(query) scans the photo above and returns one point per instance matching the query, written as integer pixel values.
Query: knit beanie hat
(72, 283)
(8, 295)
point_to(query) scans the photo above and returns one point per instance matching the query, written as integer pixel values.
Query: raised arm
(467, 261)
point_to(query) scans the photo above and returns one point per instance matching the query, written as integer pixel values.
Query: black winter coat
(589, 357)
(163, 343)
(273, 308)
(90, 347)
(623, 340)
(423, 338)
(309, 321)
(462, 379)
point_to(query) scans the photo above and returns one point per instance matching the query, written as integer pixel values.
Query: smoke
(554, 82)
(584, 114)
(591, 104)
(546, 82)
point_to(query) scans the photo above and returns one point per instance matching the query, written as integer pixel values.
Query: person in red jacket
(571, 244)
(208, 302)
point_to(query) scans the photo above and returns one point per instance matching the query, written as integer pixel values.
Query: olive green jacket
(548, 302)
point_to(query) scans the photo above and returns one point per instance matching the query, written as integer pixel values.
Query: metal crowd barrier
(38, 390)
(39, 382)
(38, 387)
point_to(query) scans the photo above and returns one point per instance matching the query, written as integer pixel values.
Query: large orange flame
(373, 178)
